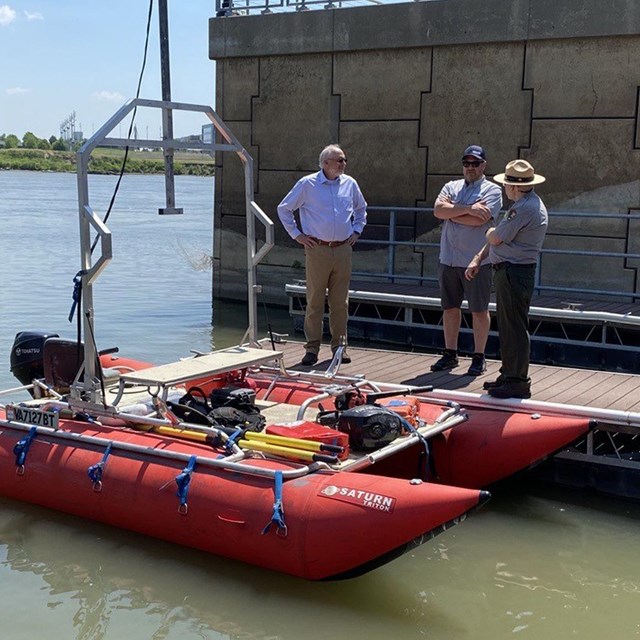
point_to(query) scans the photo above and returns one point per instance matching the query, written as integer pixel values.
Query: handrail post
(252, 286)
(167, 113)
(86, 309)
(391, 253)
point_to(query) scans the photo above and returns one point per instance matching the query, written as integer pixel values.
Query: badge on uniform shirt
(511, 214)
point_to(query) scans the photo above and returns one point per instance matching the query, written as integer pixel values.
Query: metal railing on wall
(226, 8)
(393, 245)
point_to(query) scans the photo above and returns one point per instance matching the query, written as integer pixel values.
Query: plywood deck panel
(197, 367)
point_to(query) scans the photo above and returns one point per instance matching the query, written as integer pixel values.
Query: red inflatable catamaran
(321, 502)
(314, 475)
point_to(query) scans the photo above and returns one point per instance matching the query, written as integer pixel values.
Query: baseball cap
(474, 150)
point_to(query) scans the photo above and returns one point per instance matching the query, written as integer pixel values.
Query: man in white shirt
(332, 213)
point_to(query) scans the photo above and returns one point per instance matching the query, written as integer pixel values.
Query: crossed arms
(471, 215)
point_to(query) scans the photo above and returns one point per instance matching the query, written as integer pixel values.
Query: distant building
(194, 137)
(208, 133)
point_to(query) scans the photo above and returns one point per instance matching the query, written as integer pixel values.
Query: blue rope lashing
(409, 427)
(231, 440)
(77, 293)
(182, 480)
(95, 470)
(21, 448)
(277, 517)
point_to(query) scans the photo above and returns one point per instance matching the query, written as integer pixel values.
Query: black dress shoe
(511, 390)
(491, 384)
(309, 359)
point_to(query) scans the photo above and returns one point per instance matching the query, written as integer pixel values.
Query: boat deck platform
(188, 369)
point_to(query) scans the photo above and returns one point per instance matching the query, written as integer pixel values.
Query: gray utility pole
(167, 114)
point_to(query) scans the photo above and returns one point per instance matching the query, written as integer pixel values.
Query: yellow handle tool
(305, 450)
(287, 452)
(296, 443)
(187, 434)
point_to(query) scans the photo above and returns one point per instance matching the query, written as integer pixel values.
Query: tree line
(55, 154)
(31, 141)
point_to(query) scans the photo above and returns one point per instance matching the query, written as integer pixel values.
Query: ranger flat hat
(519, 172)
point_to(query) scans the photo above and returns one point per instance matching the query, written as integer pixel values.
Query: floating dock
(607, 460)
(569, 330)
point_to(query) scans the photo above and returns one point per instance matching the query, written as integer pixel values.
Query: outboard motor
(26, 362)
(369, 426)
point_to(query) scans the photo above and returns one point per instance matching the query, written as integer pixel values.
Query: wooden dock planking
(623, 395)
(583, 390)
(630, 402)
(564, 385)
(550, 377)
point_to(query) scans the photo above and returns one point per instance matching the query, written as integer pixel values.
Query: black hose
(133, 118)
(408, 391)
(266, 315)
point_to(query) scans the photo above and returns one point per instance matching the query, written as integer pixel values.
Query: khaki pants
(327, 269)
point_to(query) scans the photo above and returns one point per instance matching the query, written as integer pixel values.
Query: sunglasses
(467, 163)
(340, 160)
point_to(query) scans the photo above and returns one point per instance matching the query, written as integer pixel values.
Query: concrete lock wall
(404, 88)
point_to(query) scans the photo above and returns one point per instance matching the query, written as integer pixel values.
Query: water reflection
(100, 577)
(507, 571)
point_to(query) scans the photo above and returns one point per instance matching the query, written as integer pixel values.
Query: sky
(61, 56)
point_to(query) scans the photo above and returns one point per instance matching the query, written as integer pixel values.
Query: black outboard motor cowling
(369, 426)
(26, 362)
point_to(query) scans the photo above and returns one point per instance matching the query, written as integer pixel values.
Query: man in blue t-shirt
(468, 208)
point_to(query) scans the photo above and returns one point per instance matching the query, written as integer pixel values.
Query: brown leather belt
(331, 243)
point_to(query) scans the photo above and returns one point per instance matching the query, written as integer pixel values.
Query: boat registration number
(37, 417)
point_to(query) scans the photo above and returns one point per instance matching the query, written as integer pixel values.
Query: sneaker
(346, 358)
(309, 359)
(511, 390)
(478, 365)
(449, 360)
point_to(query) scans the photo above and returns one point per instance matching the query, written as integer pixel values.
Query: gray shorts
(454, 288)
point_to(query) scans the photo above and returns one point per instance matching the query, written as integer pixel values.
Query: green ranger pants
(514, 286)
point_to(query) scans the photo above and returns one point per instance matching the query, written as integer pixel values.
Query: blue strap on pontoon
(277, 517)
(183, 479)
(95, 470)
(409, 427)
(21, 448)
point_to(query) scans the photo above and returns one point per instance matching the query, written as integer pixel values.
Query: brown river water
(535, 563)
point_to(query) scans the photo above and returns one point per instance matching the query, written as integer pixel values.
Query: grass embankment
(106, 161)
